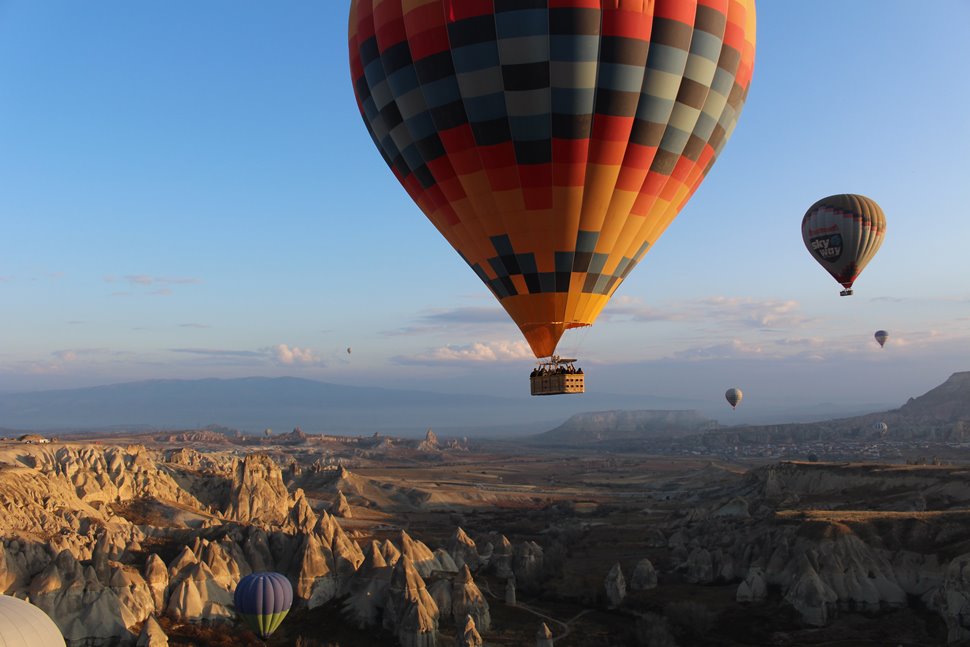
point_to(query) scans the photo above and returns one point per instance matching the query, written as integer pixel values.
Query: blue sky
(187, 190)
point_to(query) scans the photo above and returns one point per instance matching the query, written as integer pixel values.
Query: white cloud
(294, 355)
(483, 351)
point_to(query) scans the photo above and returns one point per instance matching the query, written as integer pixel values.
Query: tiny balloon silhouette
(733, 396)
(881, 337)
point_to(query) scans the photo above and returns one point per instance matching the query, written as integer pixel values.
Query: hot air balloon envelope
(843, 232)
(24, 625)
(551, 143)
(733, 396)
(881, 337)
(263, 600)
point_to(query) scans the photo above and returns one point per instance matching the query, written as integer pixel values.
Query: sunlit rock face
(258, 493)
(87, 608)
(341, 507)
(152, 634)
(410, 611)
(462, 549)
(469, 636)
(367, 588)
(467, 600)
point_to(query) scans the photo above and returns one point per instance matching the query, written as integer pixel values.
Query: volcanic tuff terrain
(432, 543)
(141, 538)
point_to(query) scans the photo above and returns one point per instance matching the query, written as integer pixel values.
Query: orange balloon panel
(551, 141)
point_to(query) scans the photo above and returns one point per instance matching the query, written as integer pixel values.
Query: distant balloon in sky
(733, 396)
(263, 600)
(880, 427)
(24, 625)
(881, 337)
(348, 350)
(551, 143)
(843, 232)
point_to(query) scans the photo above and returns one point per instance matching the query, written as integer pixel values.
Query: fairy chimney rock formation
(544, 636)
(615, 586)
(341, 508)
(753, 588)
(410, 611)
(430, 442)
(367, 588)
(301, 518)
(467, 599)
(420, 555)
(510, 591)
(257, 493)
(156, 575)
(462, 549)
(644, 576)
(469, 636)
(152, 634)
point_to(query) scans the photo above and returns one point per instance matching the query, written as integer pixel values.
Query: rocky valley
(140, 538)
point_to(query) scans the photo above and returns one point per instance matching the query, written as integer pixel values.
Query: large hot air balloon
(733, 396)
(551, 142)
(263, 600)
(881, 337)
(24, 625)
(843, 232)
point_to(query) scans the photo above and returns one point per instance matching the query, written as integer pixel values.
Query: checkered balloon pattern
(551, 141)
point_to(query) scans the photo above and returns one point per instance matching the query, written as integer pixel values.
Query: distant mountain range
(255, 403)
(942, 413)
